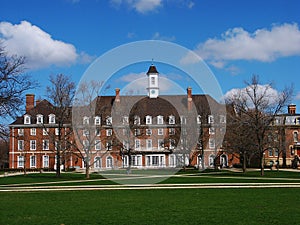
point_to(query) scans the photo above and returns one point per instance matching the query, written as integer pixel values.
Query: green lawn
(159, 206)
(178, 206)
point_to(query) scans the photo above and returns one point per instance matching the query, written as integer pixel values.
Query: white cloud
(158, 36)
(141, 6)
(297, 96)
(262, 45)
(39, 48)
(271, 95)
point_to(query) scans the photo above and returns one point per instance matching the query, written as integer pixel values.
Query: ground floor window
(45, 161)
(211, 160)
(155, 160)
(97, 163)
(33, 161)
(109, 162)
(21, 160)
(136, 160)
(223, 160)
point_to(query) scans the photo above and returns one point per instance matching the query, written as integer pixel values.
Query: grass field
(152, 206)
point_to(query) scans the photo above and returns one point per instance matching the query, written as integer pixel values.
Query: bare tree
(60, 94)
(13, 85)
(258, 106)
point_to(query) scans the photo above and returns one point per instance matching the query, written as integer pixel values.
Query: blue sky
(235, 38)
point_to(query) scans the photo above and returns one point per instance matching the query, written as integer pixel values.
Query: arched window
(211, 160)
(109, 162)
(160, 120)
(39, 119)
(51, 119)
(148, 119)
(295, 136)
(97, 162)
(27, 119)
(171, 119)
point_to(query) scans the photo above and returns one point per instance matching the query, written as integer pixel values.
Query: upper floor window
(136, 120)
(137, 144)
(210, 119)
(148, 131)
(211, 130)
(108, 132)
(39, 119)
(137, 132)
(86, 120)
(33, 131)
(222, 119)
(51, 118)
(295, 135)
(171, 119)
(97, 120)
(148, 119)
(45, 131)
(160, 120)
(125, 120)
(160, 131)
(20, 145)
(97, 145)
(171, 131)
(109, 120)
(211, 143)
(20, 131)
(198, 119)
(27, 119)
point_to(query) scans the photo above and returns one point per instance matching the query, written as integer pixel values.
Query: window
(152, 80)
(33, 131)
(125, 120)
(27, 119)
(32, 144)
(295, 135)
(97, 162)
(171, 119)
(160, 144)
(33, 161)
(51, 119)
(211, 130)
(137, 132)
(45, 144)
(97, 145)
(137, 144)
(86, 144)
(97, 120)
(148, 131)
(45, 131)
(21, 160)
(172, 144)
(137, 120)
(45, 161)
(108, 145)
(160, 131)
(182, 120)
(97, 131)
(136, 160)
(270, 151)
(211, 143)
(86, 120)
(85, 133)
(211, 160)
(222, 119)
(148, 119)
(210, 119)
(109, 120)
(126, 145)
(109, 162)
(171, 131)
(198, 119)
(21, 132)
(149, 144)
(276, 152)
(20, 145)
(56, 131)
(160, 120)
(108, 132)
(39, 119)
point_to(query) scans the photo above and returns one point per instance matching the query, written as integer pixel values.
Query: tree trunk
(244, 162)
(87, 171)
(57, 163)
(262, 165)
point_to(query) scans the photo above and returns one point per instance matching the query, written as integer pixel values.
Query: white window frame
(46, 144)
(198, 119)
(32, 144)
(172, 131)
(32, 161)
(137, 132)
(39, 119)
(108, 121)
(148, 119)
(210, 119)
(160, 144)
(20, 145)
(97, 144)
(86, 144)
(45, 161)
(160, 119)
(211, 143)
(109, 145)
(21, 132)
(86, 120)
(27, 119)
(125, 120)
(148, 132)
(56, 131)
(108, 132)
(97, 120)
(51, 119)
(211, 130)
(149, 145)
(98, 131)
(136, 120)
(45, 131)
(33, 131)
(20, 161)
(97, 162)
(171, 119)
(109, 162)
(137, 144)
(160, 131)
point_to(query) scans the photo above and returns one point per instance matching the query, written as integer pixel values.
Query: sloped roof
(152, 69)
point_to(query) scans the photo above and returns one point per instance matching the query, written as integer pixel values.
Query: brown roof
(152, 69)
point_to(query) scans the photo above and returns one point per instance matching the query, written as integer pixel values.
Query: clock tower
(153, 89)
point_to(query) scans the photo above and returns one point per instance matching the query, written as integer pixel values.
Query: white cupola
(153, 89)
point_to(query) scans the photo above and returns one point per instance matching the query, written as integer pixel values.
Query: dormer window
(137, 120)
(51, 119)
(86, 120)
(125, 120)
(171, 119)
(97, 120)
(210, 119)
(39, 119)
(148, 119)
(27, 119)
(160, 120)
(198, 119)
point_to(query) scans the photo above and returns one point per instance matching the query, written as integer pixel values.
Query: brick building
(156, 131)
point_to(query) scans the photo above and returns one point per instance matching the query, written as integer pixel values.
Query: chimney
(117, 94)
(189, 96)
(292, 109)
(29, 102)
